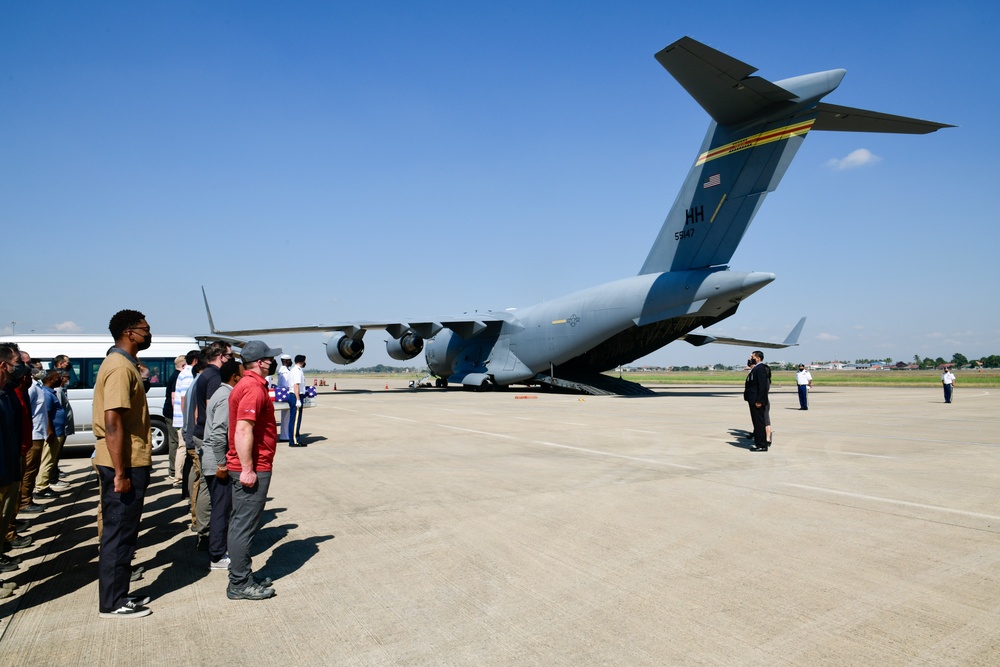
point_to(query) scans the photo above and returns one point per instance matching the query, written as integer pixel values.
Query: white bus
(86, 352)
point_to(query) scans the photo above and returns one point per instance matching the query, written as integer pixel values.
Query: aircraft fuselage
(522, 343)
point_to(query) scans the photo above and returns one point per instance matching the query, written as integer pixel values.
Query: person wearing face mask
(253, 440)
(20, 376)
(43, 433)
(755, 391)
(124, 458)
(11, 422)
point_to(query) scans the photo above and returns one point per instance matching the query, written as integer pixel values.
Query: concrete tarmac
(430, 527)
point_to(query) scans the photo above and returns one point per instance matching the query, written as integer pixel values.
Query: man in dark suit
(755, 394)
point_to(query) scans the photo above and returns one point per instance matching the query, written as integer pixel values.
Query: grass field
(987, 378)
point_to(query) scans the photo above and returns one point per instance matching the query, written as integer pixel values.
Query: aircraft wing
(791, 340)
(464, 326)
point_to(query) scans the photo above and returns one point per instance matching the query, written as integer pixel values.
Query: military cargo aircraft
(684, 284)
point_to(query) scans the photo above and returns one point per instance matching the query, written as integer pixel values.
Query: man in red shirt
(253, 439)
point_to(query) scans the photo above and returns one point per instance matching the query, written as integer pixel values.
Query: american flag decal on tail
(713, 180)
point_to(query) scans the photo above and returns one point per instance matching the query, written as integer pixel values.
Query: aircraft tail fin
(208, 311)
(757, 128)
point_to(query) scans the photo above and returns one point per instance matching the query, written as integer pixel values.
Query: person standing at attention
(123, 458)
(804, 380)
(253, 440)
(755, 394)
(296, 390)
(948, 382)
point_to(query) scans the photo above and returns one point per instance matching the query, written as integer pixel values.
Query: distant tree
(720, 367)
(959, 359)
(888, 361)
(939, 361)
(928, 362)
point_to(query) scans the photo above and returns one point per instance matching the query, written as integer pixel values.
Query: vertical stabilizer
(757, 128)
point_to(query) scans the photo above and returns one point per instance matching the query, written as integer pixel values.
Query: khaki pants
(31, 463)
(50, 459)
(8, 509)
(201, 504)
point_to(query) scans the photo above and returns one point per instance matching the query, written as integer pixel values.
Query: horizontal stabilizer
(721, 84)
(791, 340)
(848, 119)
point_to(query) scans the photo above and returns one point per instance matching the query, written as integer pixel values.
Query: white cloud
(935, 334)
(854, 160)
(68, 327)
(827, 337)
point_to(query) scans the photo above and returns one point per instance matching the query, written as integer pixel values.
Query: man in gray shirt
(213, 463)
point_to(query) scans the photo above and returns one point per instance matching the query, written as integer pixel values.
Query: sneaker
(221, 564)
(20, 542)
(9, 585)
(22, 524)
(58, 486)
(263, 582)
(46, 493)
(33, 508)
(127, 610)
(249, 592)
(137, 599)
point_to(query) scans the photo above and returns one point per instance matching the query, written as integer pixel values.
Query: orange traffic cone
(335, 386)
(386, 385)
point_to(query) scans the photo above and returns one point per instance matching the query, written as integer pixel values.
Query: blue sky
(315, 162)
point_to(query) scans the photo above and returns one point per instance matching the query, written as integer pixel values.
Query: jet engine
(344, 350)
(405, 347)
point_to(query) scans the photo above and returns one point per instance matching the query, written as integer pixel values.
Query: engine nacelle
(405, 347)
(344, 350)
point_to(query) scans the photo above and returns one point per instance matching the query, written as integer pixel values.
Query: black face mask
(273, 366)
(146, 386)
(751, 361)
(147, 340)
(20, 370)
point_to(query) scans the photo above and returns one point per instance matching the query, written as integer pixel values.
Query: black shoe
(33, 508)
(758, 448)
(22, 524)
(8, 564)
(127, 610)
(20, 542)
(46, 494)
(251, 591)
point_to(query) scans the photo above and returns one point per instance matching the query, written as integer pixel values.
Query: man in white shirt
(804, 380)
(296, 390)
(948, 381)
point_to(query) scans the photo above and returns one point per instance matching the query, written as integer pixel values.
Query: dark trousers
(804, 396)
(221, 493)
(759, 418)
(293, 414)
(947, 392)
(121, 512)
(244, 522)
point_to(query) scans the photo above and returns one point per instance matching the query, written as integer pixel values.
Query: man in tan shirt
(124, 459)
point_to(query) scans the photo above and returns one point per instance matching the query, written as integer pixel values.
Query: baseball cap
(256, 350)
